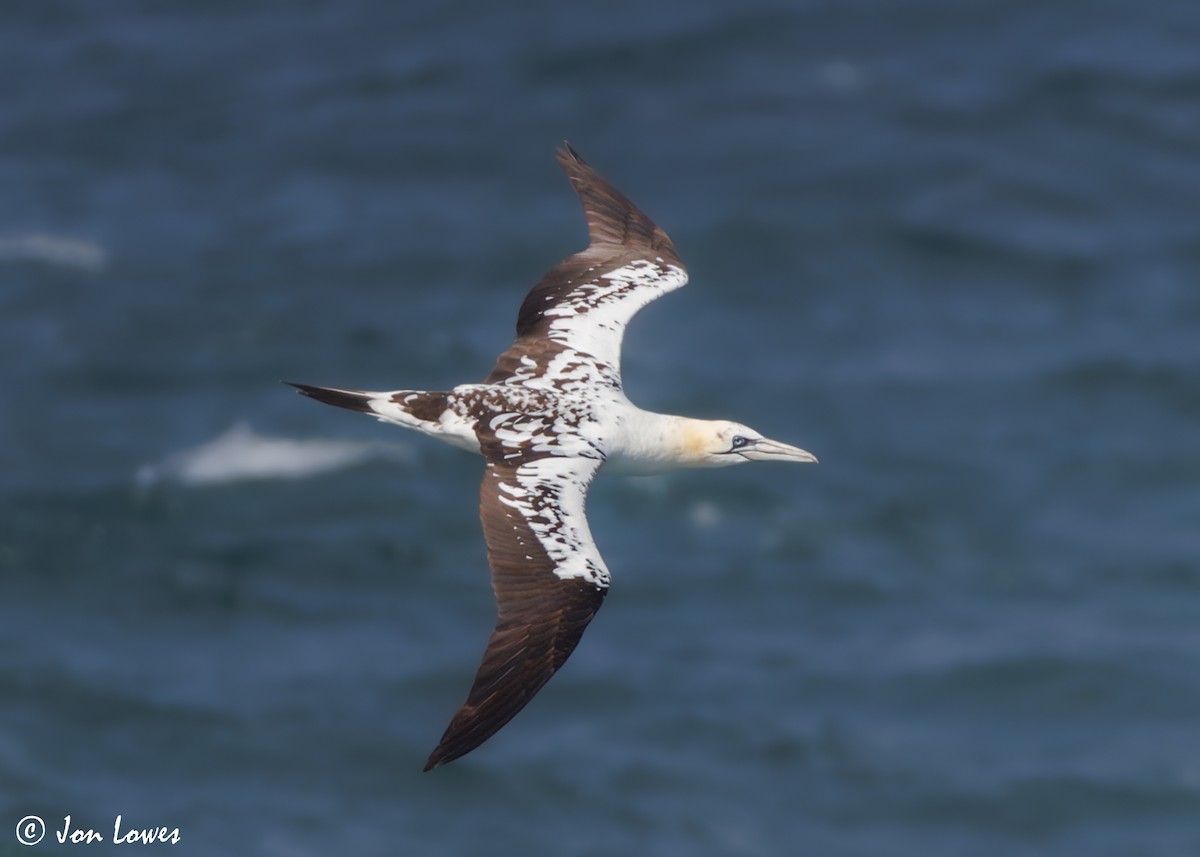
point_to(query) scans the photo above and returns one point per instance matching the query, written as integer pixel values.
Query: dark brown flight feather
(611, 217)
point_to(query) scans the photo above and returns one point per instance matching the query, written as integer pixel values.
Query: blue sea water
(952, 248)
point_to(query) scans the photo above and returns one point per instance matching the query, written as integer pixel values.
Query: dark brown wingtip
(351, 399)
(436, 759)
(522, 654)
(451, 746)
(611, 218)
(567, 154)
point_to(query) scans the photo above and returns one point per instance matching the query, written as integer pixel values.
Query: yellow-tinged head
(720, 443)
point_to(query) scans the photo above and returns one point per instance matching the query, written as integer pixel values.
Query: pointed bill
(764, 449)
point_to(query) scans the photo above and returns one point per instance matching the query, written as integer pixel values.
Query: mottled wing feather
(548, 579)
(584, 303)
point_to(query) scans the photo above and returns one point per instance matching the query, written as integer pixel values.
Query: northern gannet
(550, 414)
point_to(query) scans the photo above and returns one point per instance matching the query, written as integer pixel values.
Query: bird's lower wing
(549, 581)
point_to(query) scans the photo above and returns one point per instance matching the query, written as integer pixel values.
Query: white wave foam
(54, 250)
(704, 515)
(240, 453)
(843, 75)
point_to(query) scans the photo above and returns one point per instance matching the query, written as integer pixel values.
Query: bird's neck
(646, 442)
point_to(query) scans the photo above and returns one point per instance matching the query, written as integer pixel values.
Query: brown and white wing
(584, 303)
(549, 581)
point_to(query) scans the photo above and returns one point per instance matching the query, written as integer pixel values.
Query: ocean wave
(240, 454)
(53, 250)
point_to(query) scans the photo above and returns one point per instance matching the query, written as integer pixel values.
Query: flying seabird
(550, 414)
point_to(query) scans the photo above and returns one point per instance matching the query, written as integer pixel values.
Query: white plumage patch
(549, 495)
(593, 315)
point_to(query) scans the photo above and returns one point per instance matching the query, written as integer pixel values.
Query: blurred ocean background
(952, 248)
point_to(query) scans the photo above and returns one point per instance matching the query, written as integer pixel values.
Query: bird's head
(720, 443)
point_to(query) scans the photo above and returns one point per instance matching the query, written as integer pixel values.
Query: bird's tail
(355, 400)
(416, 409)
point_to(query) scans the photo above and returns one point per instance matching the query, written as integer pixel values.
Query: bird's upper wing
(548, 578)
(583, 304)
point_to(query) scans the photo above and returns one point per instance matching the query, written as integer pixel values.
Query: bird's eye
(739, 441)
